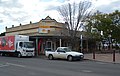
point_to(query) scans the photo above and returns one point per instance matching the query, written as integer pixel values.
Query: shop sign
(43, 30)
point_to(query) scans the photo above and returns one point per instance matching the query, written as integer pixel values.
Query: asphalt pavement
(12, 66)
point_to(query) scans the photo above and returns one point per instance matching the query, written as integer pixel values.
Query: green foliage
(2, 34)
(108, 23)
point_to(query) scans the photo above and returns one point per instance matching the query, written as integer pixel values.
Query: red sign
(7, 43)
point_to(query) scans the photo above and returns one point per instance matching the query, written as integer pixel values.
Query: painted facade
(47, 33)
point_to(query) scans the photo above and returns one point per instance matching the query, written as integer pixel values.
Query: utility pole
(81, 44)
(60, 40)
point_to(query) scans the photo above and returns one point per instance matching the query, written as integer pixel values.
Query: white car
(64, 53)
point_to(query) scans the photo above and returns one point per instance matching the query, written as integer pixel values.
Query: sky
(14, 12)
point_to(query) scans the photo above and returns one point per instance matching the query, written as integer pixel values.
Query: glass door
(49, 44)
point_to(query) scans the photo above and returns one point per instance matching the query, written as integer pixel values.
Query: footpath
(98, 57)
(103, 57)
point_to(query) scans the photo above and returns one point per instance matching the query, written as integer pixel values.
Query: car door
(57, 54)
(61, 54)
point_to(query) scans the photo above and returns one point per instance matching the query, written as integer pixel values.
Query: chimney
(20, 24)
(30, 22)
(6, 27)
(12, 26)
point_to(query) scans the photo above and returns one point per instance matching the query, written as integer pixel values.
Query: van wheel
(2, 54)
(70, 58)
(50, 57)
(19, 55)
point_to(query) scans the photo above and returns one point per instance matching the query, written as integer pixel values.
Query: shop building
(47, 33)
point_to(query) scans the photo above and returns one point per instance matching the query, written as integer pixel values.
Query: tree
(2, 34)
(93, 32)
(115, 16)
(74, 15)
(109, 24)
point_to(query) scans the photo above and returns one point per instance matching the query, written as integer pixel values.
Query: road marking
(86, 71)
(18, 65)
(101, 63)
(3, 65)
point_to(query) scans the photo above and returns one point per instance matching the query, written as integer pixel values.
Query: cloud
(1, 21)
(14, 12)
(108, 6)
(10, 4)
(51, 7)
(9, 9)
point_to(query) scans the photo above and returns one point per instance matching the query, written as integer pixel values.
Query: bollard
(113, 55)
(93, 54)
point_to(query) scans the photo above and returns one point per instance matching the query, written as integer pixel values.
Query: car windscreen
(28, 44)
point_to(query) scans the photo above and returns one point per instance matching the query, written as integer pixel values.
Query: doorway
(50, 44)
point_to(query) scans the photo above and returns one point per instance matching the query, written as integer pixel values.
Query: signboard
(44, 29)
(7, 43)
(44, 26)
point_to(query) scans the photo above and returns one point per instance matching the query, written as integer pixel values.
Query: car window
(60, 50)
(67, 49)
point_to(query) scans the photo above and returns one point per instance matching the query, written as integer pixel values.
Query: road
(12, 66)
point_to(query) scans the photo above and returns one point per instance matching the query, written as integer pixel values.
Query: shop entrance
(51, 44)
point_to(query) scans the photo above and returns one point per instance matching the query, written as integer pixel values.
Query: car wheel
(50, 57)
(82, 58)
(19, 55)
(3, 54)
(70, 58)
